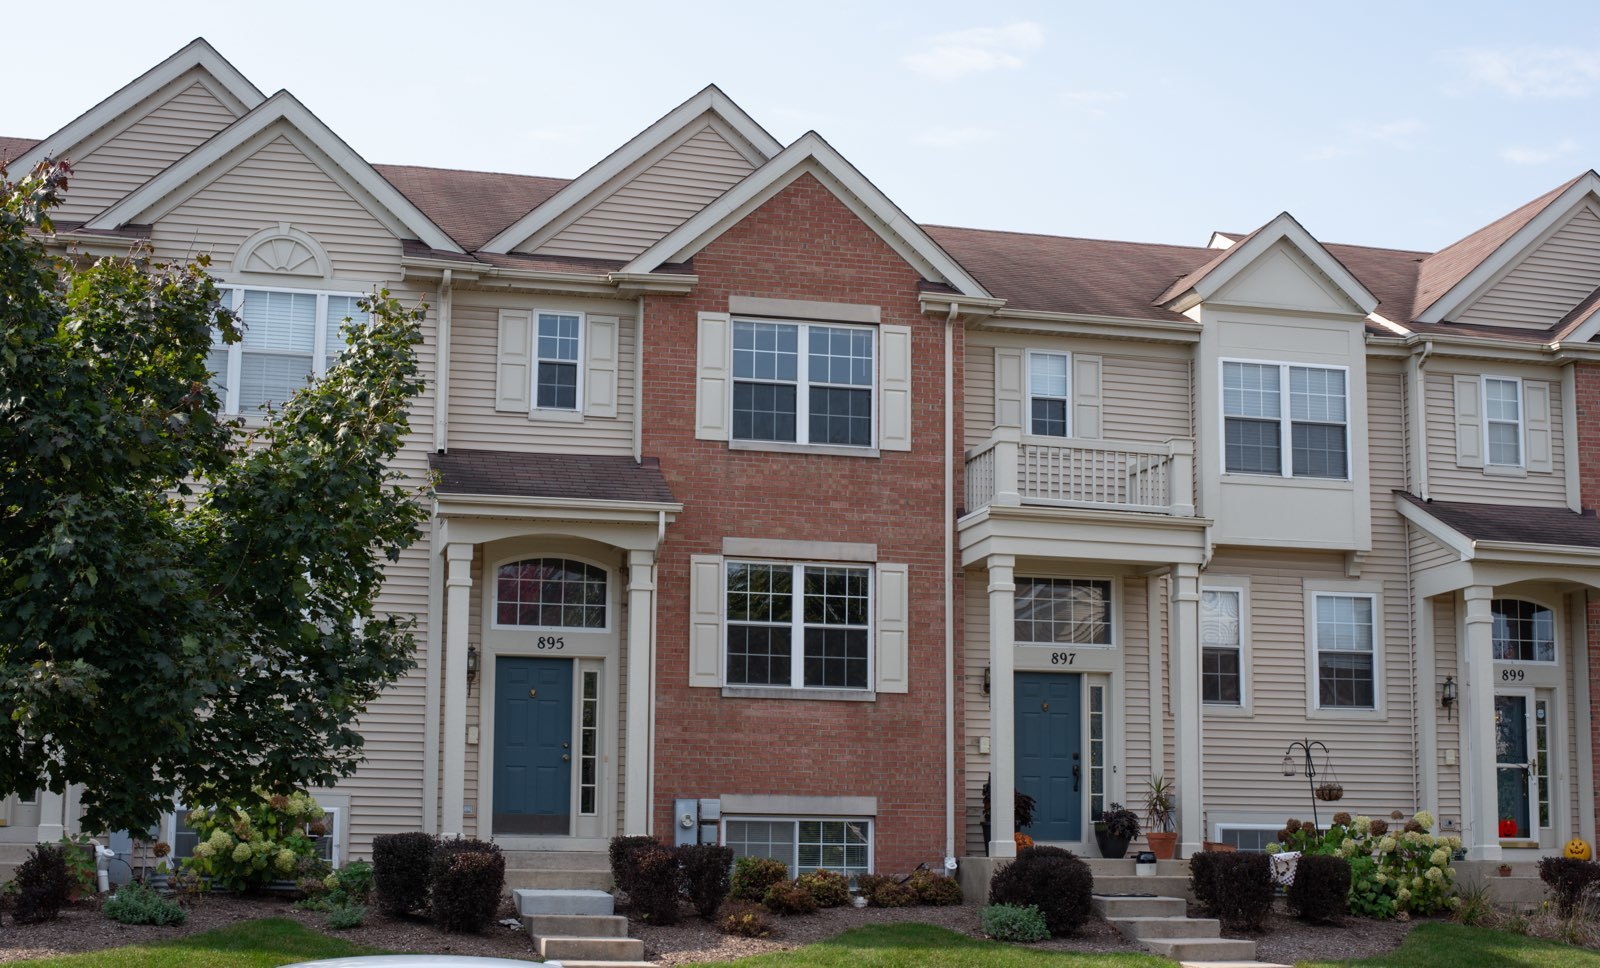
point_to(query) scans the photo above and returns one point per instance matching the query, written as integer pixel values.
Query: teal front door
(1049, 743)
(532, 745)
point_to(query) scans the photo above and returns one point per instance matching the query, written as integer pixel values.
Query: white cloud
(977, 50)
(1540, 72)
(1093, 104)
(1359, 136)
(954, 137)
(1533, 155)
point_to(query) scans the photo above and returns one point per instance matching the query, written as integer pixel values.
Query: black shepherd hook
(1311, 770)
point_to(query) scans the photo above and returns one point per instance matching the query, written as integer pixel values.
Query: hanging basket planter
(1330, 792)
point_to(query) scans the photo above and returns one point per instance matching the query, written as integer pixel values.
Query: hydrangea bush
(247, 845)
(1391, 872)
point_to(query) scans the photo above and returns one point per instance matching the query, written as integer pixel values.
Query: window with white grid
(827, 400)
(825, 609)
(1344, 639)
(806, 844)
(1502, 420)
(287, 337)
(1049, 394)
(1222, 647)
(1308, 438)
(1063, 611)
(558, 348)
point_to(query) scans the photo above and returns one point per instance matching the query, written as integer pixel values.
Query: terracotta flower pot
(1163, 845)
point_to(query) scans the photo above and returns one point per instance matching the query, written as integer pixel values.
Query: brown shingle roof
(1515, 523)
(471, 206)
(511, 474)
(11, 148)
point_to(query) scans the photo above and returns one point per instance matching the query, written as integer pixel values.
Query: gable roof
(196, 53)
(472, 206)
(1205, 281)
(581, 190)
(810, 153)
(146, 202)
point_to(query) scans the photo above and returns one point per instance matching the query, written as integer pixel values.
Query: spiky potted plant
(1161, 811)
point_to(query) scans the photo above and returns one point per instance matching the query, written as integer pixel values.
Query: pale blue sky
(1400, 124)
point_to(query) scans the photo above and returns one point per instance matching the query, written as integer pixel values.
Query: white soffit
(811, 154)
(758, 145)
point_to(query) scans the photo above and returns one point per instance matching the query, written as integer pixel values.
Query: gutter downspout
(441, 379)
(1417, 389)
(655, 612)
(949, 596)
(638, 386)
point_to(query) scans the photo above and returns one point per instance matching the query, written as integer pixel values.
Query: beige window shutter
(1469, 421)
(714, 379)
(1086, 396)
(894, 387)
(1536, 425)
(705, 620)
(600, 370)
(1010, 375)
(894, 647)
(513, 371)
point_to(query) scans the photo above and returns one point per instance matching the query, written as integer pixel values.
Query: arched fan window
(556, 593)
(1523, 631)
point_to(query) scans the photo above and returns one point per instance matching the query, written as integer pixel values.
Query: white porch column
(52, 817)
(458, 606)
(1427, 687)
(1185, 659)
(1002, 724)
(641, 668)
(1481, 793)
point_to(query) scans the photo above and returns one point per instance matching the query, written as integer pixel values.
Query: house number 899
(1063, 658)
(1511, 675)
(552, 642)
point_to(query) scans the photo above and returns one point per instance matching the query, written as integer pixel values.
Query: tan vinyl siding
(1446, 663)
(474, 422)
(185, 117)
(975, 704)
(1448, 482)
(1547, 283)
(653, 203)
(1426, 552)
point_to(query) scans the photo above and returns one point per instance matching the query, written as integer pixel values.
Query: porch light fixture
(986, 671)
(472, 664)
(1447, 696)
(1288, 765)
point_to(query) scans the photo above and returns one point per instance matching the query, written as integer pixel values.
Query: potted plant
(1115, 829)
(1022, 807)
(1505, 870)
(1161, 811)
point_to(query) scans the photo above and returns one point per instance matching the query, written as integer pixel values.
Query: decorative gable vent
(282, 250)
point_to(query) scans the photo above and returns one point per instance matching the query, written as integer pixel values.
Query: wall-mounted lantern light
(472, 664)
(1447, 695)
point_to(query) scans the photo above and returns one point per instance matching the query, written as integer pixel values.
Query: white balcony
(1013, 470)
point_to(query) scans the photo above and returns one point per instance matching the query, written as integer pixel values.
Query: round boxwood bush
(752, 876)
(1007, 922)
(789, 898)
(468, 878)
(934, 888)
(827, 888)
(1051, 879)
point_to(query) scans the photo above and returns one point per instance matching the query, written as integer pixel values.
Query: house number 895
(1063, 658)
(552, 642)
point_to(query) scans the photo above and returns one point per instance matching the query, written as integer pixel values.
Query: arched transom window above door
(550, 593)
(1523, 631)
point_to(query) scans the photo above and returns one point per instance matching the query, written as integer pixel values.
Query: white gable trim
(1511, 251)
(753, 142)
(1243, 254)
(278, 116)
(236, 92)
(810, 154)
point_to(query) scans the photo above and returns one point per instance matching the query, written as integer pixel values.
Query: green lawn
(1445, 945)
(905, 945)
(249, 944)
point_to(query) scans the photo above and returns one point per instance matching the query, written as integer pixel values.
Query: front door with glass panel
(1049, 744)
(532, 745)
(1516, 766)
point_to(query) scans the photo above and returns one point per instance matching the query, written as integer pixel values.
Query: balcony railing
(1056, 472)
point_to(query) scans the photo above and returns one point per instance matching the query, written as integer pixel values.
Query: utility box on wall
(696, 821)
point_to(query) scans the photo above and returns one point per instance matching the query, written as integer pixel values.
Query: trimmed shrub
(657, 884)
(706, 876)
(1051, 879)
(402, 865)
(934, 888)
(826, 888)
(1569, 880)
(464, 891)
(752, 876)
(137, 904)
(43, 885)
(1007, 922)
(623, 866)
(1235, 888)
(343, 917)
(353, 881)
(890, 893)
(789, 898)
(1321, 888)
(745, 920)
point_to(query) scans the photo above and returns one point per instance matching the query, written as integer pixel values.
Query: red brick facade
(1588, 414)
(805, 244)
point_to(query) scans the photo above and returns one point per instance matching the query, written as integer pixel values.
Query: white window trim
(797, 627)
(1314, 707)
(558, 413)
(1113, 608)
(492, 580)
(1027, 377)
(871, 822)
(1217, 829)
(1244, 707)
(319, 350)
(802, 384)
(1556, 622)
(1285, 421)
(169, 831)
(1522, 422)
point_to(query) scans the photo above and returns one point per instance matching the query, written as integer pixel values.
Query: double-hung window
(1344, 644)
(288, 336)
(1306, 435)
(1222, 646)
(1063, 611)
(1502, 421)
(558, 346)
(803, 383)
(806, 844)
(794, 626)
(1049, 394)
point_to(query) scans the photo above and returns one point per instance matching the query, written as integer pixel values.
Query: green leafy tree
(184, 606)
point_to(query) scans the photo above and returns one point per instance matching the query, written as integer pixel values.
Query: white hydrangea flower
(1424, 819)
(242, 853)
(1362, 825)
(1386, 845)
(1439, 857)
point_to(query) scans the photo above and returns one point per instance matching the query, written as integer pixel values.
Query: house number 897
(1063, 658)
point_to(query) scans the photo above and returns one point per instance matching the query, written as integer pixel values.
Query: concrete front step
(576, 926)
(580, 860)
(535, 902)
(1202, 949)
(551, 879)
(568, 950)
(1139, 907)
(1143, 929)
(1105, 867)
(1516, 890)
(1166, 886)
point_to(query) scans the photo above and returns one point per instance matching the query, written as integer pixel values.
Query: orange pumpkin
(1022, 840)
(1578, 849)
